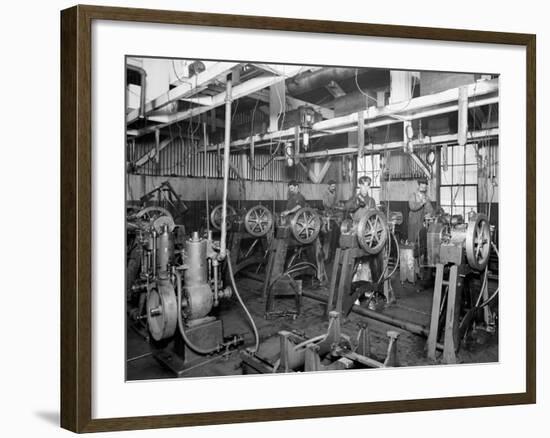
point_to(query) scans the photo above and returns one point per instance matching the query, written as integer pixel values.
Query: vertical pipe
(462, 115)
(154, 255)
(206, 179)
(223, 239)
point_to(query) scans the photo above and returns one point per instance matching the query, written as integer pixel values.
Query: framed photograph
(270, 219)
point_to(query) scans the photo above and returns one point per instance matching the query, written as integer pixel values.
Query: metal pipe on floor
(416, 329)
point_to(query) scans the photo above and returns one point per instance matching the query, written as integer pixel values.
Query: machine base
(179, 358)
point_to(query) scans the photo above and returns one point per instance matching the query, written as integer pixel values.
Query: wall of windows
(458, 189)
(369, 165)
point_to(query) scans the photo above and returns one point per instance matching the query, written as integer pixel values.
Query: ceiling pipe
(309, 81)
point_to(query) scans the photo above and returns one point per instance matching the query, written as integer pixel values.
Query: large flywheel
(162, 312)
(258, 221)
(478, 242)
(152, 212)
(372, 232)
(305, 225)
(216, 216)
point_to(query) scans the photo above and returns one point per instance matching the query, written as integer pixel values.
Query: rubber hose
(232, 278)
(192, 346)
(396, 261)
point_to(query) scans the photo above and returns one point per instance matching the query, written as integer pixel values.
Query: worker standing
(295, 199)
(369, 268)
(361, 202)
(419, 206)
(330, 198)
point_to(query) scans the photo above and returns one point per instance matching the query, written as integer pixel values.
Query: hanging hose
(397, 256)
(293, 270)
(232, 278)
(495, 293)
(384, 278)
(198, 350)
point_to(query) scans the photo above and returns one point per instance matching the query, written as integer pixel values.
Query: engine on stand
(458, 251)
(365, 246)
(294, 249)
(250, 233)
(179, 290)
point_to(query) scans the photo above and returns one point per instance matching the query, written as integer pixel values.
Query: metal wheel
(164, 221)
(305, 225)
(162, 316)
(216, 216)
(258, 221)
(478, 242)
(153, 212)
(372, 232)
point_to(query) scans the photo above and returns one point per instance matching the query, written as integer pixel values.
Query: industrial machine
(178, 290)
(368, 241)
(251, 232)
(333, 350)
(216, 216)
(457, 250)
(294, 249)
(144, 225)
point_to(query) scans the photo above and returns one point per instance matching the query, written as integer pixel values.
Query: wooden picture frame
(76, 217)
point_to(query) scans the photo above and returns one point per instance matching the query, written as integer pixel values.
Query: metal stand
(453, 285)
(276, 269)
(241, 261)
(342, 272)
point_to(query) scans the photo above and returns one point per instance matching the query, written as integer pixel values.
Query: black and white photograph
(301, 218)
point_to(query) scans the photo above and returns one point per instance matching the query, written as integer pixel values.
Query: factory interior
(300, 218)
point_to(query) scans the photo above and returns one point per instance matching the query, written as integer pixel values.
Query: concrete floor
(413, 304)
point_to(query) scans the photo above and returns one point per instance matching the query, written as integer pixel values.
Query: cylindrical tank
(163, 252)
(197, 290)
(195, 273)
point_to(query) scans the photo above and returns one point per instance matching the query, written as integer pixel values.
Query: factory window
(369, 165)
(459, 180)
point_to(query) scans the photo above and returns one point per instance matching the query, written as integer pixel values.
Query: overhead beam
(481, 93)
(294, 103)
(239, 91)
(153, 152)
(243, 89)
(187, 89)
(398, 145)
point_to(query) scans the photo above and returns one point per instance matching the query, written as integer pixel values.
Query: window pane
(447, 176)
(470, 195)
(471, 154)
(471, 174)
(458, 175)
(458, 196)
(376, 179)
(445, 193)
(458, 155)
(375, 193)
(446, 208)
(376, 161)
